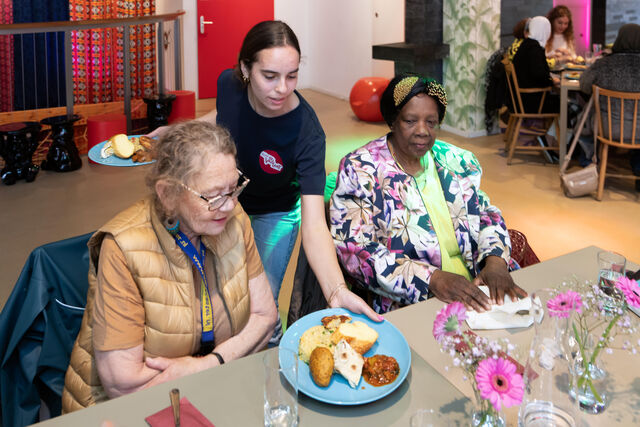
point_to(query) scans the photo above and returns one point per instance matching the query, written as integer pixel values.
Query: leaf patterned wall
(472, 31)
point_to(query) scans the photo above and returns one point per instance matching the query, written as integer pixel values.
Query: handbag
(580, 183)
(584, 181)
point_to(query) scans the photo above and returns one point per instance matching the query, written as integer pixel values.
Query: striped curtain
(6, 59)
(98, 73)
(143, 49)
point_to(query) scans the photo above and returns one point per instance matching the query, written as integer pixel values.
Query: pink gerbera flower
(631, 290)
(449, 320)
(498, 382)
(562, 304)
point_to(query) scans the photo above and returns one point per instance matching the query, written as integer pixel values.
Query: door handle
(202, 23)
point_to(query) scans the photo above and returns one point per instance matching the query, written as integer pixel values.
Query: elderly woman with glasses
(176, 284)
(408, 217)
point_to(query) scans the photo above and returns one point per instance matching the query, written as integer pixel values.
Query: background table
(231, 395)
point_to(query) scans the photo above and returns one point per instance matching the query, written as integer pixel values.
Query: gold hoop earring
(245, 79)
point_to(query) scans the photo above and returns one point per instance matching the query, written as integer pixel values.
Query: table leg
(562, 138)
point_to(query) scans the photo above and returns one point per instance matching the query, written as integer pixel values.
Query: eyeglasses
(217, 201)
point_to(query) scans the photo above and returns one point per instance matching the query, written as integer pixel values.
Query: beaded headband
(404, 86)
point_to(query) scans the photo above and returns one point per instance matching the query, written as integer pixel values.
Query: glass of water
(427, 418)
(280, 388)
(611, 267)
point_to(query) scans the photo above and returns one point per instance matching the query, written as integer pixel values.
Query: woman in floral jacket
(408, 217)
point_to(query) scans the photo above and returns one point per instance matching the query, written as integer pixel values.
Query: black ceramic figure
(158, 110)
(18, 142)
(63, 154)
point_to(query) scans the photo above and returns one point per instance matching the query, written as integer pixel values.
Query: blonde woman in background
(560, 45)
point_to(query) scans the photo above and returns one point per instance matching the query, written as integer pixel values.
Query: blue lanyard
(205, 299)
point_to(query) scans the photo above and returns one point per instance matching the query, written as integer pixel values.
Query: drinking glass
(280, 388)
(611, 267)
(597, 47)
(589, 57)
(427, 418)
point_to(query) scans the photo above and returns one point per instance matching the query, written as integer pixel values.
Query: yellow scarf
(433, 198)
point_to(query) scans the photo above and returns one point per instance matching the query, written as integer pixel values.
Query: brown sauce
(379, 370)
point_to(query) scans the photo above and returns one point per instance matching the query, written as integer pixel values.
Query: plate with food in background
(573, 75)
(346, 358)
(123, 150)
(575, 67)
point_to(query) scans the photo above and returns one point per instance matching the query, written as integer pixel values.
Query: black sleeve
(531, 65)
(311, 154)
(540, 73)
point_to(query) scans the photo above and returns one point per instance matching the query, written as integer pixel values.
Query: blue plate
(113, 160)
(390, 342)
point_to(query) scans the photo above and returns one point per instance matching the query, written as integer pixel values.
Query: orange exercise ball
(365, 98)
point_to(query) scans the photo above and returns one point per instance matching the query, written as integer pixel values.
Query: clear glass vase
(547, 376)
(591, 387)
(590, 382)
(485, 415)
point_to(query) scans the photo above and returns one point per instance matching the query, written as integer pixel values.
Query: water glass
(280, 388)
(589, 57)
(611, 267)
(427, 418)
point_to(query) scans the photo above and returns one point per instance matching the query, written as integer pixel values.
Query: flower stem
(591, 362)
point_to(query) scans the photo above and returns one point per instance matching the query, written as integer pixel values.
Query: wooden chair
(516, 126)
(611, 130)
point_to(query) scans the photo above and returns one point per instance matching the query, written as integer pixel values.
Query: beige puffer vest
(164, 276)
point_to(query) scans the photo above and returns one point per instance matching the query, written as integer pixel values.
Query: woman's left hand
(175, 368)
(496, 276)
(352, 302)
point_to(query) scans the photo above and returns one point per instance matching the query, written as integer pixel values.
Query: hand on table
(177, 367)
(346, 299)
(158, 131)
(497, 278)
(449, 287)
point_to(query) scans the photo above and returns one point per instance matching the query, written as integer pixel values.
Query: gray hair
(181, 153)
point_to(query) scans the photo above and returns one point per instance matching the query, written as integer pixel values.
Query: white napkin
(502, 316)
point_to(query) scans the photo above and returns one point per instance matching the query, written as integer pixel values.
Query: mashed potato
(316, 336)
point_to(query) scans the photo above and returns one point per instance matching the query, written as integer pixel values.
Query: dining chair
(38, 326)
(614, 130)
(517, 124)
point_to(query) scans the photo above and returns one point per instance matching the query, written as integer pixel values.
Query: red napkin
(189, 416)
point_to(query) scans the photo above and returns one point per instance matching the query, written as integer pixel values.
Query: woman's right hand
(449, 287)
(352, 302)
(158, 131)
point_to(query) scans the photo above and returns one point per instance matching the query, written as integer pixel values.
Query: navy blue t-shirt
(283, 156)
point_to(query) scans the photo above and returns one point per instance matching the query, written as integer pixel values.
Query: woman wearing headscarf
(408, 217)
(531, 66)
(619, 71)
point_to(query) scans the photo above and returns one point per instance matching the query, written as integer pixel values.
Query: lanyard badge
(197, 258)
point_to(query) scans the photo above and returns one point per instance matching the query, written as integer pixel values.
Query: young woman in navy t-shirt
(281, 148)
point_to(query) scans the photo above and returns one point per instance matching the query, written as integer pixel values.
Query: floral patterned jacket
(383, 233)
